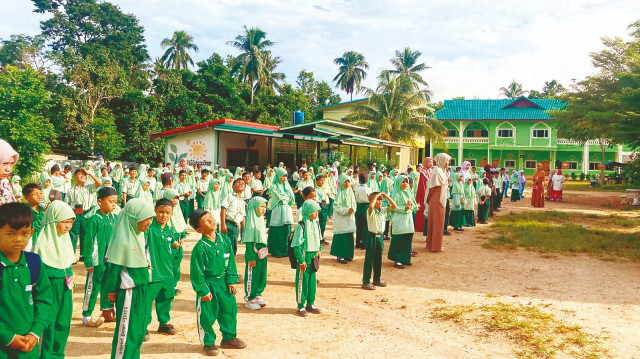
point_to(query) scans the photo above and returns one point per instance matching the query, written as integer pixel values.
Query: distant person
(558, 183)
(437, 201)
(8, 159)
(537, 193)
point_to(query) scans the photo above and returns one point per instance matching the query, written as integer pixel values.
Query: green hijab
(312, 230)
(457, 187)
(373, 183)
(126, 245)
(268, 178)
(255, 229)
(177, 219)
(212, 199)
(280, 190)
(469, 190)
(142, 194)
(226, 187)
(345, 197)
(402, 196)
(55, 250)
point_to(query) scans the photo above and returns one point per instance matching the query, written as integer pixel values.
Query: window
(477, 133)
(541, 133)
(473, 162)
(530, 164)
(573, 165)
(241, 157)
(509, 164)
(452, 163)
(505, 133)
(594, 166)
(452, 133)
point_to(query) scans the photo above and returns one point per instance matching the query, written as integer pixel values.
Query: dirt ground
(601, 296)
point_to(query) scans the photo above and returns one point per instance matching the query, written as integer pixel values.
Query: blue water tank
(298, 117)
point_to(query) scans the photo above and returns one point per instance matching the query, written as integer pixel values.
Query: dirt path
(602, 296)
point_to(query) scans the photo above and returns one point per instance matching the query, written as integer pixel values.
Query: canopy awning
(247, 130)
(359, 140)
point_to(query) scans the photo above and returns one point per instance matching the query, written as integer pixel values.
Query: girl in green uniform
(515, 186)
(402, 228)
(254, 236)
(17, 189)
(306, 245)
(127, 278)
(212, 200)
(344, 222)
(180, 226)
(144, 191)
(457, 202)
(469, 203)
(54, 247)
(373, 182)
(484, 203)
(280, 201)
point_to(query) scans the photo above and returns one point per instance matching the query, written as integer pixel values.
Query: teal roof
(247, 130)
(521, 108)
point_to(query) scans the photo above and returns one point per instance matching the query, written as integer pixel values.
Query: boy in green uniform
(130, 185)
(54, 247)
(323, 200)
(179, 225)
(306, 245)
(34, 197)
(127, 278)
(98, 229)
(233, 210)
(79, 198)
(159, 248)
(254, 236)
(376, 218)
(361, 192)
(214, 277)
(25, 300)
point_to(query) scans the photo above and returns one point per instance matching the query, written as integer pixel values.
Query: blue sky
(472, 47)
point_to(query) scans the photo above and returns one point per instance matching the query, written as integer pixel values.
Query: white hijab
(438, 176)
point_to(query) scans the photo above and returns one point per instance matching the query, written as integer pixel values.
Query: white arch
(512, 127)
(535, 127)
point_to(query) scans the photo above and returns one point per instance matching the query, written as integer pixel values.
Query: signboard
(198, 148)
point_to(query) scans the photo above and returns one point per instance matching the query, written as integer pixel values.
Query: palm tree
(405, 65)
(156, 68)
(250, 63)
(351, 71)
(268, 78)
(394, 114)
(513, 91)
(176, 55)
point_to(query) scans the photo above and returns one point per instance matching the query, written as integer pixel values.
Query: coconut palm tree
(249, 65)
(177, 46)
(513, 91)
(405, 63)
(268, 78)
(351, 71)
(393, 113)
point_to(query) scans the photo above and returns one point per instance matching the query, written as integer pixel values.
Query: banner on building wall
(197, 148)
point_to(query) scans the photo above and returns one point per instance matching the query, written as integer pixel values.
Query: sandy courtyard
(601, 296)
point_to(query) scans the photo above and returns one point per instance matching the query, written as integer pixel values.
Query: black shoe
(167, 329)
(81, 259)
(234, 343)
(407, 264)
(380, 284)
(458, 230)
(178, 291)
(399, 265)
(446, 233)
(211, 350)
(342, 261)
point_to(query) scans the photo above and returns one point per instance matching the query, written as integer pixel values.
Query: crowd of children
(130, 225)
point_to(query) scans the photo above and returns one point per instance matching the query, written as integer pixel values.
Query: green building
(515, 134)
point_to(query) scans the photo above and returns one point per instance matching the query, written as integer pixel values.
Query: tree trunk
(602, 148)
(252, 93)
(389, 153)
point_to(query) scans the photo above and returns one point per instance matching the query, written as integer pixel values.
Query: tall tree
(351, 71)
(394, 114)
(177, 56)
(268, 78)
(23, 51)
(319, 93)
(513, 91)
(250, 65)
(551, 89)
(405, 63)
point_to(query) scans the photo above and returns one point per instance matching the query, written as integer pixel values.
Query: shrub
(631, 172)
(573, 176)
(582, 176)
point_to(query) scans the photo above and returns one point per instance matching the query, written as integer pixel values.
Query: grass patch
(534, 333)
(585, 186)
(557, 232)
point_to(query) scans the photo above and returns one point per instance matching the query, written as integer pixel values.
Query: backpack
(292, 257)
(34, 262)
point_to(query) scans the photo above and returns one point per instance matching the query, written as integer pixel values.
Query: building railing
(564, 141)
(466, 140)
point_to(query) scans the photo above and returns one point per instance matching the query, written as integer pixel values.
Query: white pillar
(619, 154)
(431, 149)
(585, 158)
(460, 159)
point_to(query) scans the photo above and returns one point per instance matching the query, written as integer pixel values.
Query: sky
(472, 47)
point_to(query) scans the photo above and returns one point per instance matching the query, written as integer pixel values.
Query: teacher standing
(437, 201)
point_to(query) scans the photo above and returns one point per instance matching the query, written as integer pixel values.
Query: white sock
(85, 320)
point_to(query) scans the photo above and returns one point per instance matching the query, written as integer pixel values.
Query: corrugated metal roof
(247, 130)
(523, 109)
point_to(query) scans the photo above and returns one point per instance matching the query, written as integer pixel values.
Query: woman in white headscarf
(437, 201)
(8, 159)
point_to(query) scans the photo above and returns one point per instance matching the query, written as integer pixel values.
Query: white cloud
(473, 47)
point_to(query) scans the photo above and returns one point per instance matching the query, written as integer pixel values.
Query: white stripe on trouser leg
(249, 279)
(300, 286)
(87, 292)
(123, 329)
(198, 314)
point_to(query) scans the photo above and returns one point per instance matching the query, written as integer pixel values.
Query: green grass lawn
(585, 186)
(560, 232)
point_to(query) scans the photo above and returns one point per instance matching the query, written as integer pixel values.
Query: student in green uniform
(17, 189)
(362, 192)
(254, 237)
(457, 203)
(202, 188)
(98, 230)
(470, 200)
(233, 210)
(127, 278)
(26, 305)
(159, 248)
(515, 187)
(34, 197)
(144, 191)
(376, 218)
(184, 189)
(386, 185)
(179, 225)
(130, 185)
(323, 200)
(344, 222)
(402, 228)
(212, 200)
(372, 183)
(281, 200)
(306, 245)
(214, 277)
(484, 194)
(55, 248)
(79, 197)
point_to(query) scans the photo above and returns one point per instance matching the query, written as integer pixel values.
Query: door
(545, 166)
(495, 163)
